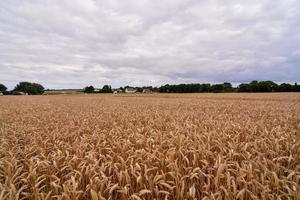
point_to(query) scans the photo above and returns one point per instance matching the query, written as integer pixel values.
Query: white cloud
(74, 43)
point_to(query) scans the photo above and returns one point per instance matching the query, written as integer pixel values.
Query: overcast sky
(74, 43)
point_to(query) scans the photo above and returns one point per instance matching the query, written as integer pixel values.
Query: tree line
(253, 86)
(268, 86)
(108, 89)
(196, 88)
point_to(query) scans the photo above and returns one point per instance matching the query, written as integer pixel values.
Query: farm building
(66, 91)
(116, 91)
(147, 90)
(130, 90)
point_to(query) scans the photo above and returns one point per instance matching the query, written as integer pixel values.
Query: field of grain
(156, 146)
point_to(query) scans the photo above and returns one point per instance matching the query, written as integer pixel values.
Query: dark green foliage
(217, 88)
(296, 88)
(267, 86)
(196, 87)
(285, 87)
(227, 87)
(89, 89)
(3, 88)
(30, 88)
(139, 89)
(106, 89)
(253, 86)
(244, 87)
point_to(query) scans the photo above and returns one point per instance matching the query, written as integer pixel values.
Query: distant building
(130, 90)
(147, 90)
(51, 92)
(66, 91)
(1, 94)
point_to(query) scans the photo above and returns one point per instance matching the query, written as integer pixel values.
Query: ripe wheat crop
(192, 146)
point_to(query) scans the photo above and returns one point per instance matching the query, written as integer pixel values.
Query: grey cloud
(64, 43)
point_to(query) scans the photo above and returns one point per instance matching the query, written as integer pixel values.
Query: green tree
(296, 88)
(205, 87)
(285, 87)
(89, 89)
(217, 88)
(254, 86)
(30, 88)
(3, 88)
(106, 89)
(227, 87)
(244, 87)
(267, 86)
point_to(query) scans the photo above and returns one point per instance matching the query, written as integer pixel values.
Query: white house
(130, 90)
(1, 94)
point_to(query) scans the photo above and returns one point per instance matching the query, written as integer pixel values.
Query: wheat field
(152, 146)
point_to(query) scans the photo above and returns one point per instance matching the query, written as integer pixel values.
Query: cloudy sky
(74, 43)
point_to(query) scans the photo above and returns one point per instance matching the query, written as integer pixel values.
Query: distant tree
(184, 88)
(3, 88)
(139, 89)
(254, 86)
(227, 87)
(244, 87)
(217, 88)
(89, 89)
(155, 89)
(205, 87)
(106, 89)
(296, 88)
(285, 87)
(267, 86)
(30, 88)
